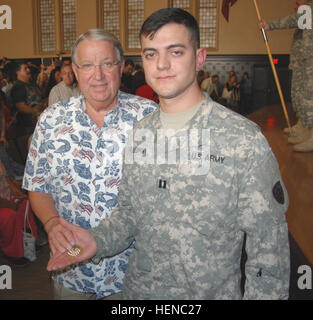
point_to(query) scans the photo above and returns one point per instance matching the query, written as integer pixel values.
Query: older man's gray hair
(98, 35)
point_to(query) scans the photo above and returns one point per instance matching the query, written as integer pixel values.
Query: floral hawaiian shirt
(80, 165)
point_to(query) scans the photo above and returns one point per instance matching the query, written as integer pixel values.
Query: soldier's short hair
(171, 15)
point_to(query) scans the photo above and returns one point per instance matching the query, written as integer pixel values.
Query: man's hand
(60, 238)
(263, 24)
(82, 238)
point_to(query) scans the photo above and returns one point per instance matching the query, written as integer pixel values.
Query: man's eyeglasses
(90, 67)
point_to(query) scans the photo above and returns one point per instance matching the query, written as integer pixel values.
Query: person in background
(206, 82)
(231, 92)
(54, 79)
(147, 92)
(26, 99)
(245, 94)
(4, 62)
(138, 79)
(301, 64)
(127, 77)
(43, 81)
(34, 70)
(200, 77)
(13, 169)
(8, 80)
(65, 89)
(212, 90)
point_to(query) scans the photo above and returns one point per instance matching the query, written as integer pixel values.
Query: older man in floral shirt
(75, 160)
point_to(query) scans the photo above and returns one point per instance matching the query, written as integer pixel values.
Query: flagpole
(273, 66)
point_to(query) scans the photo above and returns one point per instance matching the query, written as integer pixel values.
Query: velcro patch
(278, 193)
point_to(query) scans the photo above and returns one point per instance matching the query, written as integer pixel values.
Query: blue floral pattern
(80, 165)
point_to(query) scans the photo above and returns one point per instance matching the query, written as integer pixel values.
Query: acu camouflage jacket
(188, 219)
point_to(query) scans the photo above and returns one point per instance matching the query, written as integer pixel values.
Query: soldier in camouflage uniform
(301, 64)
(188, 205)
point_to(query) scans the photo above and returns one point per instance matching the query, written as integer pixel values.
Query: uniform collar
(199, 120)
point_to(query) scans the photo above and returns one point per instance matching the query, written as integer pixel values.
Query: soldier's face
(171, 61)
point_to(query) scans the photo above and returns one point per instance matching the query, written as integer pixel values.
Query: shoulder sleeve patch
(278, 193)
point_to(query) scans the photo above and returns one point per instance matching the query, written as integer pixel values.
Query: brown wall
(239, 36)
(18, 42)
(242, 36)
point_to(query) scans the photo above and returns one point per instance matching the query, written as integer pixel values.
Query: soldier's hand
(263, 24)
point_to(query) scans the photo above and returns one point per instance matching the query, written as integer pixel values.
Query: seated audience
(12, 213)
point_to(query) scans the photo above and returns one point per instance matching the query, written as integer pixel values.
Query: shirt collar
(111, 117)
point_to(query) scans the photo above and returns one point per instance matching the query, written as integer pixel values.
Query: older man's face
(99, 86)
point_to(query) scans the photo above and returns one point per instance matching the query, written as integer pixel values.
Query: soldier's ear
(200, 58)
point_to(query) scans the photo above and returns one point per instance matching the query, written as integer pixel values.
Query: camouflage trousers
(296, 89)
(302, 91)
